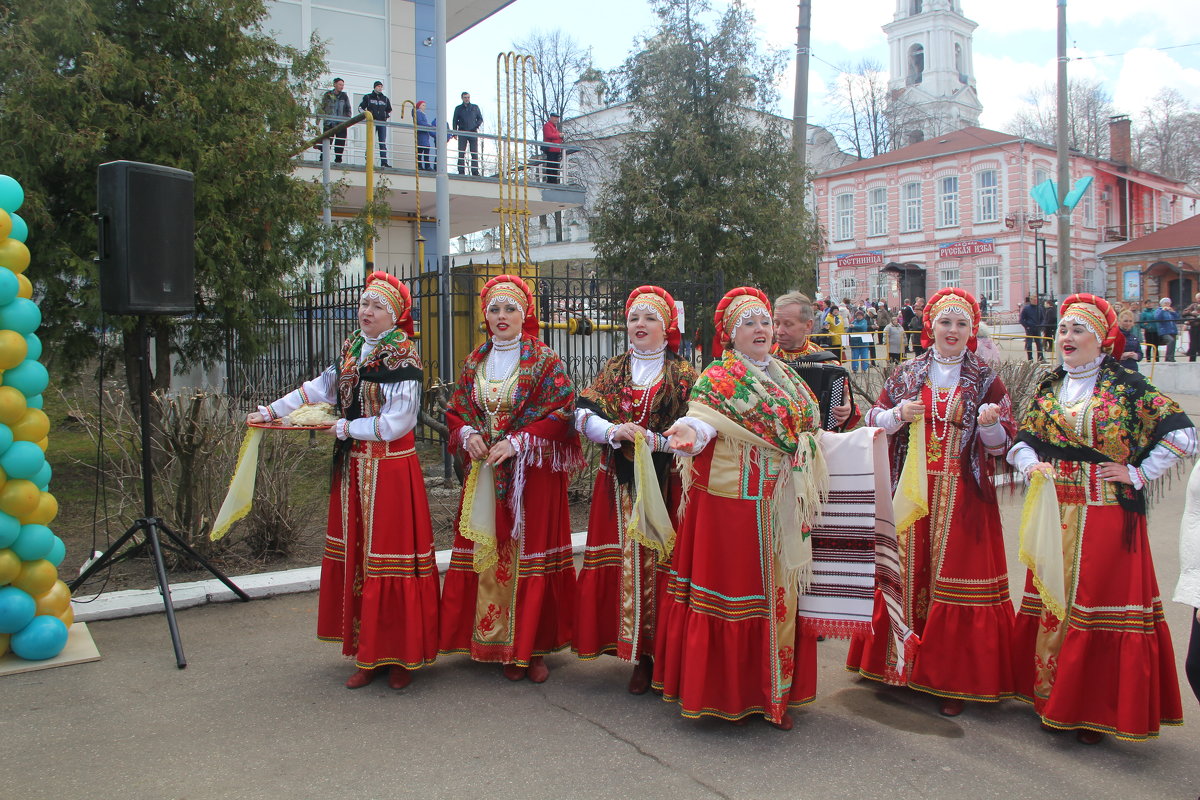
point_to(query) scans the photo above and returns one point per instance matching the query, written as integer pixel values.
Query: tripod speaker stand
(149, 525)
(146, 251)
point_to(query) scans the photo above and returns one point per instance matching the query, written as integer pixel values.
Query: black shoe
(337, 159)
(385, 164)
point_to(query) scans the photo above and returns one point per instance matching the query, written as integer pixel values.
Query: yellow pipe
(370, 259)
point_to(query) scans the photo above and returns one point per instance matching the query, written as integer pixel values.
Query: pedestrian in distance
(466, 122)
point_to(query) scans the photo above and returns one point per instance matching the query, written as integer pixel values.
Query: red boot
(538, 671)
(514, 672)
(360, 678)
(639, 681)
(399, 677)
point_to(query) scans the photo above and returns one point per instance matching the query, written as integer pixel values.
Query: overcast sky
(1120, 42)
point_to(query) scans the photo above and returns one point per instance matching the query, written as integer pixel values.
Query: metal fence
(582, 318)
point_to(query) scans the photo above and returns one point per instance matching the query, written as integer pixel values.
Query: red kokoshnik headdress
(395, 295)
(660, 300)
(511, 287)
(735, 303)
(950, 300)
(1098, 316)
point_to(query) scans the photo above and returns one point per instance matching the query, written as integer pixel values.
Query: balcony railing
(1125, 233)
(400, 150)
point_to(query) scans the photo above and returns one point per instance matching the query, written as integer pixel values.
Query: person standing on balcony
(335, 107)
(553, 155)
(1167, 327)
(379, 577)
(381, 108)
(468, 119)
(426, 160)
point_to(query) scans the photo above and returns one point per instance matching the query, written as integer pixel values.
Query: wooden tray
(279, 426)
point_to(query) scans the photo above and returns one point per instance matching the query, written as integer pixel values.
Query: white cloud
(1003, 84)
(1143, 73)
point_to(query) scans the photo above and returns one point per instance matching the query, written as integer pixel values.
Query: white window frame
(987, 197)
(1089, 206)
(947, 202)
(911, 206)
(847, 287)
(843, 217)
(949, 276)
(877, 211)
(987, 284)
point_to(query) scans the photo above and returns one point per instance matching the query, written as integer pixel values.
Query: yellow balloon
(19, 498)
(68, 616)
(44, 443)
(54, 601)
(43, 514)
(24, 287)
(10, 566)
(37, 577)
(13, 349)
(5, 224)
(4, 637)
(12, 405)
(33, 426)
(14, 255)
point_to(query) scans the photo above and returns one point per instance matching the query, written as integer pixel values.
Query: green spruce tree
(706, 183)
(192, 84)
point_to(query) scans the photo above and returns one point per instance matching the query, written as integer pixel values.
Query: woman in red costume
(379, 581)
(949, 420)
(1092, 648)
(729, 642)
(509, 595)
(639, 393)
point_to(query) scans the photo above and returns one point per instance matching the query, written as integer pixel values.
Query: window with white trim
(877, 212)
(843, 217)
(847, 287)
(987, 196)
(948, 276)
(947, 205)
(910, 194)
(987, 282)
(1088, 283)
(1089, 206)
(880, 286)
(1040, 176)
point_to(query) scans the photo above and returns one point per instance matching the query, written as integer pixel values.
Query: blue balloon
(37, 401)
(41, 478)
(35, 346)
(6, 436)
(21, 315)
(10, 529)
(29, 377)
(9, 286)
(11, 193)
(44, 637)
(33, 542)
(58, 551)
(20, 230)
(22, 460)
(16, 609)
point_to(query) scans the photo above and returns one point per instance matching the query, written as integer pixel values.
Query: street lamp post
(1041, 280)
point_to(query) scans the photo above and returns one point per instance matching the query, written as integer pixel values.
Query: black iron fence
(582, 317)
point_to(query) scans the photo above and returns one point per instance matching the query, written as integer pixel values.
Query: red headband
(950, 298)
(660, 299)
(497, 285)
(731, 304)
(1113, 340)
(389, 289)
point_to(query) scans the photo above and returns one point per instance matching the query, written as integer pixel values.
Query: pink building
(955, 210)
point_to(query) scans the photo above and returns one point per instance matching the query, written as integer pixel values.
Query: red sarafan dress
(509, 594)
(379, 578)
(953, 569)
(620, 584)
(1108, 665)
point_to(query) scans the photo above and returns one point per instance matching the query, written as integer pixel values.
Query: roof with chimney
(1180, 236)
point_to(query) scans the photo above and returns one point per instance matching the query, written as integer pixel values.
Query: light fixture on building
(428, 41)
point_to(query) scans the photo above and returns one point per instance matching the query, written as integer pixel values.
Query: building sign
(870, 258)
(1133, 284)
(971, 247)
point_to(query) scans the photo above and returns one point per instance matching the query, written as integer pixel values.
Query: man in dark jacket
(381, 108)
(467, 120)
(335, 106)
(1049, 325)
(1031, 320)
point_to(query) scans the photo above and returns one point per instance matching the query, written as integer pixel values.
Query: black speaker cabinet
(147, 239)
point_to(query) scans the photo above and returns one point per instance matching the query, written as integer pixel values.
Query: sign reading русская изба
(971, 247)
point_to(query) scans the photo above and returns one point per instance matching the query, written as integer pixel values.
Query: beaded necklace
(496, 389)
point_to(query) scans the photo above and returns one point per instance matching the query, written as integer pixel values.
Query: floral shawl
(1130, 417)
(978, 384)
(611, 397)
(394, 359)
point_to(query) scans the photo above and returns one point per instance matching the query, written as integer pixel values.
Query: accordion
(828, 380)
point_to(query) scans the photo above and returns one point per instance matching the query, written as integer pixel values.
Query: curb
(137, 602)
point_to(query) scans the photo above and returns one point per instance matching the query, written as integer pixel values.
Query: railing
(1124, 233)
(400, 149)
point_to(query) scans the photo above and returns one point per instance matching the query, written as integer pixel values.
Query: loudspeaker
(146, 245)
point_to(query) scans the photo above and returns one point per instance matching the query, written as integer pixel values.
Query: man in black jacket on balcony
(381, 108)
(467, 120)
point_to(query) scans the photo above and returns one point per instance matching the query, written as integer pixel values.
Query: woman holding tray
(637, 395)
(379, 580)
(1092, 649)
(509, 595)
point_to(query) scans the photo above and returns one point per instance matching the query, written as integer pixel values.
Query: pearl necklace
(946, 396)
(497, 389)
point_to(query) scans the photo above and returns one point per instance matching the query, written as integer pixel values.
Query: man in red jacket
(553, 155)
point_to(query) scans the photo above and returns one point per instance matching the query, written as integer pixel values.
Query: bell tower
(932, 69)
